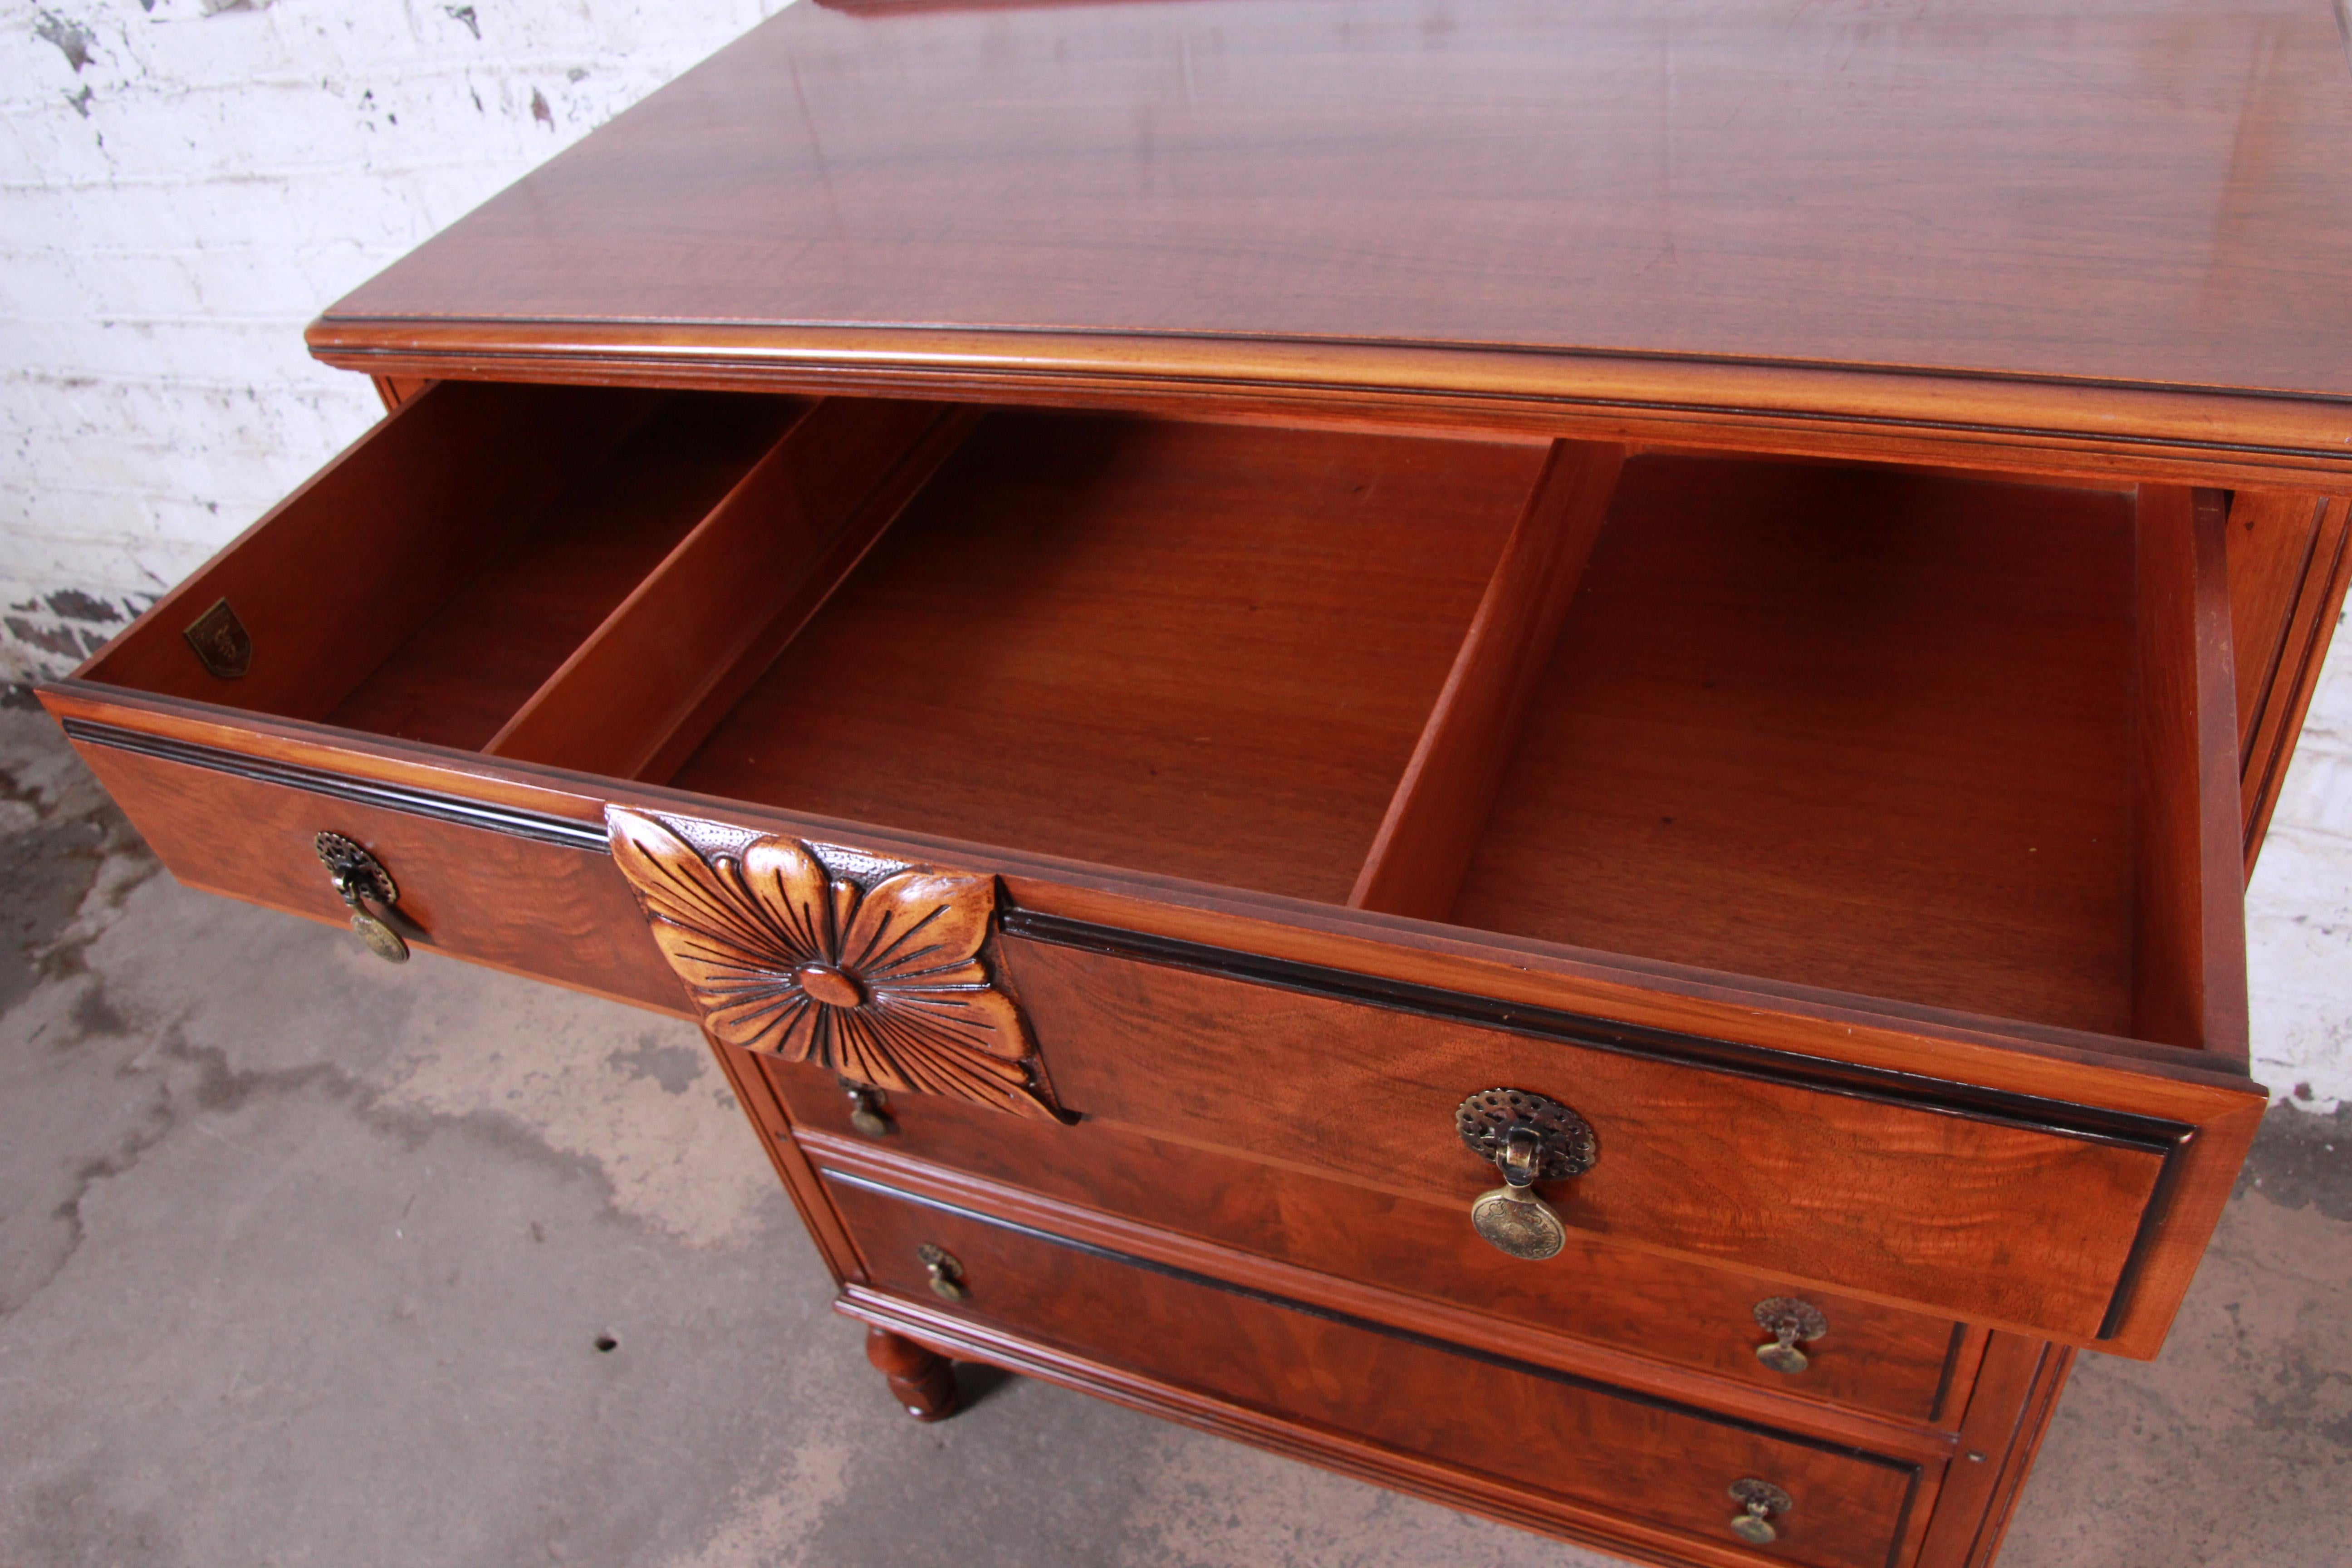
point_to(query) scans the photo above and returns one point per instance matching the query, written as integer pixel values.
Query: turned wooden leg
(922, 1383)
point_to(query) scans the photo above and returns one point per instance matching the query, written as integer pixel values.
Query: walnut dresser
(1512, 745)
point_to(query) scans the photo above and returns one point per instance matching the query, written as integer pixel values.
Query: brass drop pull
(1789, 1321)
(1530, 1139)
(1758, 1502)
(867, 1111)
(362, 879)
(946, 1274)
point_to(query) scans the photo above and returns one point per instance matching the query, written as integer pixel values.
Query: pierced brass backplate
(221, 642)
(1789, 1322)
(1758, 1502)
(362, 879)
(1564, 1143)
(1530, 1139)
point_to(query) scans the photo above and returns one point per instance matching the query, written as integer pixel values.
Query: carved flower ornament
(885, 984)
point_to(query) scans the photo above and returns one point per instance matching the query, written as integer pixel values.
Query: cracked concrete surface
(305, 1259)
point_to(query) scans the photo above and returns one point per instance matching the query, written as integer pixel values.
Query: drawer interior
(549, 578)
(1848, 727)
(1205, 650)
(1908, 733)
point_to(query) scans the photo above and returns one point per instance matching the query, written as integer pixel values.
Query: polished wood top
(2128, 193)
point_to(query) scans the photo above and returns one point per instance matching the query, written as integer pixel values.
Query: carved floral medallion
(884, 983)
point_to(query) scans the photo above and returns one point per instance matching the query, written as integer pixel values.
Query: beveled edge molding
(2298, 432)
(874, 969)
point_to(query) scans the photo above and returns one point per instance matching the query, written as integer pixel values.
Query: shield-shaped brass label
(221, 641)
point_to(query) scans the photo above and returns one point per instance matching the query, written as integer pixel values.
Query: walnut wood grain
(2315, 606)
(1983, 1217)
(1201, 650)
(2010, 1054)
(1839, 727)
(1668, 1465)
(1863, 854)
(2125, 1074)
(768, 553)
(339, 575)
(458, 679)
(968, 1338)
(542, 910)
(395, 390)
(1424, 842)
(1759, 183)
(2131, 1075)
(2270, 536)
(2007, 1416)
(2188, 951)
(1452, 1326)
(2196, 438)
(1599, 1308)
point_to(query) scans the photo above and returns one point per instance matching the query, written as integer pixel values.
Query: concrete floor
(305, 1259)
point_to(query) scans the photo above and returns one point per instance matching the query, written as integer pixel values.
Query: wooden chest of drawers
(1336, 748)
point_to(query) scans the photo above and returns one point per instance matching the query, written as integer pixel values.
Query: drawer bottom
(1537, 1446)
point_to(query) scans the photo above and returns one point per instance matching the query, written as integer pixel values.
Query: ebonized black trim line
(1369, 1325)
(1936, 1411)
(512, 821)
(2159, 1136)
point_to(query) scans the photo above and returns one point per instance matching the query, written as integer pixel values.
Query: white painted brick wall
(2299, 909)
(185, 184)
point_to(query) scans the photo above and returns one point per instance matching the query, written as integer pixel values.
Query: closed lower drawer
(1568, 1442)
(1871, 1357)
(1994, 1210)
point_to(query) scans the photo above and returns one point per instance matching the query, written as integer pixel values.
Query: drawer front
(1583, 1442)
(541, 909)
(1873, 1357)
(2003, 1211)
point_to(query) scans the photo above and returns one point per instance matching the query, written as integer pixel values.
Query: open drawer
(1901, 787)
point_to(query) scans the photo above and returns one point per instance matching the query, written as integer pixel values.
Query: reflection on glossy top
(2152, 191)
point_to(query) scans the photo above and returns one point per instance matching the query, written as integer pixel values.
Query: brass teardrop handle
(1758, 1502)
(946, 1274)
(868, 1112)
(1530, 1139)
(1789, 1322)
(362, 880)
